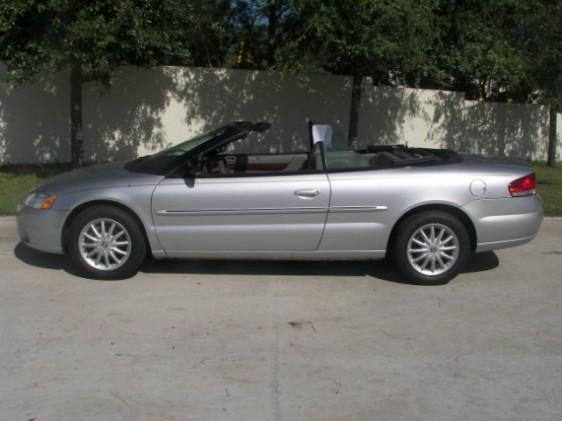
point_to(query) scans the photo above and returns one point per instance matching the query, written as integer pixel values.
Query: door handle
(307, 194)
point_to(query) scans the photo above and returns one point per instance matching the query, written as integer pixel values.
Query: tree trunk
(354, 109)
(76, 132)
(552, 138)
(271, 32)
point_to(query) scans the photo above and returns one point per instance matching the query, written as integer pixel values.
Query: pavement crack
(120, 399)
(387, 333)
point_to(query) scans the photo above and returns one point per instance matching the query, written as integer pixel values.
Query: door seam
(327, 212)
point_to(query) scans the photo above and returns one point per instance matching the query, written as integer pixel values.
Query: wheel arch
(100, 202)
(454, 210)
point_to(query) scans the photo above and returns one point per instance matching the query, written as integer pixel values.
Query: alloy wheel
(433, 249)
(104, 244)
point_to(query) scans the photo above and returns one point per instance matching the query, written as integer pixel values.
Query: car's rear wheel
(431, 247)
(105, 242)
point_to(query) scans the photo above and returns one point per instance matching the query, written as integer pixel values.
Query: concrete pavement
(186, 340)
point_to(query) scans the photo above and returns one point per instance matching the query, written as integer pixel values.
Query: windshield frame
(196, 140)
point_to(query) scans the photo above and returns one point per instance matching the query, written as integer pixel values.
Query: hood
(98, 176)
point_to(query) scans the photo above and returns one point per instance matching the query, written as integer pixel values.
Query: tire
(99, 256)
(421, 259)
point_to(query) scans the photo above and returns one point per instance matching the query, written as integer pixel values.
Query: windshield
(163, 162)
(168, 159)
(184, 147)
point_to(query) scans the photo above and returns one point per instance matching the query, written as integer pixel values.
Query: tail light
(524, 186)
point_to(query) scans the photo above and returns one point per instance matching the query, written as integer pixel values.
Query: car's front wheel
(431, 247)
(105, 242)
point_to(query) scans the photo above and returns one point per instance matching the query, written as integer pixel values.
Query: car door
(278, 212)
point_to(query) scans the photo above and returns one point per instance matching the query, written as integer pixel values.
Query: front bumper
(41, 229)
(505, 222)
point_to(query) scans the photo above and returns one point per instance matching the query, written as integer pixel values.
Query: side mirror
(322, 133)
(188, 170)
(193, 168)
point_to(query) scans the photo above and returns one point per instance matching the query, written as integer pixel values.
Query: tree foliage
(498, 50)
(384, 39)
(540, 40)
(476, 46)
(45, 36)
(493, 49)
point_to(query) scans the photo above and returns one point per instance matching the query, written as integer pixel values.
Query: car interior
(238, 158)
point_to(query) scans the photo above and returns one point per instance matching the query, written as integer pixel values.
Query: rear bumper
(505, 222)
(41, 229)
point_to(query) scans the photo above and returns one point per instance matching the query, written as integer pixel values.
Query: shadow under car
(381, 269)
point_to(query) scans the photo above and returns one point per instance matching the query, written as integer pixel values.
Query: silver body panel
(321, 215)
(240, 213)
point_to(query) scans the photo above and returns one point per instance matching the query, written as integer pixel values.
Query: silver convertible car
(429, 210)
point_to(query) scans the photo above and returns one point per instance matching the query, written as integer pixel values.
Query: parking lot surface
(211, 340)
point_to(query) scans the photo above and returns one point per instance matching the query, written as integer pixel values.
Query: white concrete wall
(149, 109)
(34, 122)
(432, 118)
(146, 110)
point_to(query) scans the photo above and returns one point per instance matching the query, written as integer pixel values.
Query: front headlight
(39, 200)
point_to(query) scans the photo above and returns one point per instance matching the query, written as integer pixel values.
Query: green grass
(550, 188)
(16, 181)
